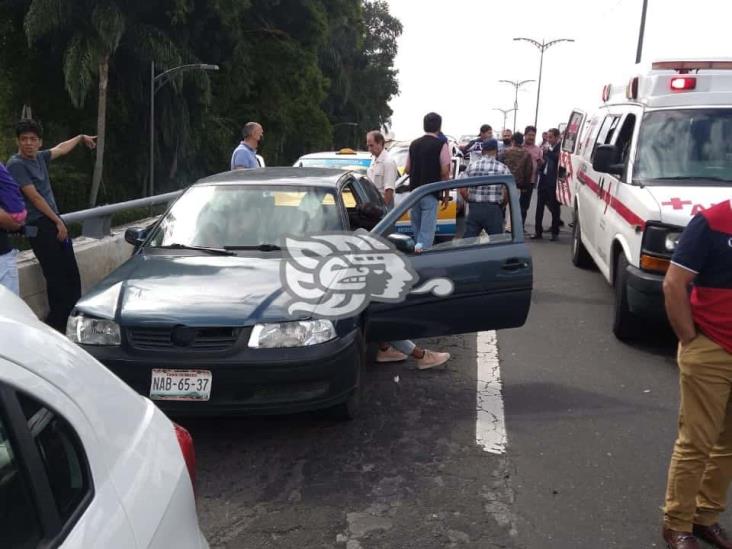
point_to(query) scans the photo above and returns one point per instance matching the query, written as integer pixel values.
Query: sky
(452, 54)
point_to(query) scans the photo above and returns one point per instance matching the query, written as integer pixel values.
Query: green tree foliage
(314, 73)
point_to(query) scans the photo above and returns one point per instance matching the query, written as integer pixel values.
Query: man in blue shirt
(245, 155)
(51, 244)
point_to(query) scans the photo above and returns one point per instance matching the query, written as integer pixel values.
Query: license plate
(180, 385)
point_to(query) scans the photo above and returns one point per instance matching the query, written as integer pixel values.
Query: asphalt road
(590, 425)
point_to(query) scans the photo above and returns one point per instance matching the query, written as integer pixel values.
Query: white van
(657, 151)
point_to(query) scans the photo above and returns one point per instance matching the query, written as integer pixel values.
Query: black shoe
(535, 237)
(554, 238)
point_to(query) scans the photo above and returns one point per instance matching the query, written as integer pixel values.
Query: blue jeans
(9, 271)
(483, 215)
(423, 217)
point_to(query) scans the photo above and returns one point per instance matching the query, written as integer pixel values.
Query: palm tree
(92, 31)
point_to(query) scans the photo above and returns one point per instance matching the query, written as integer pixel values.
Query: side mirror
(135, 235)
(606, 160)
(402, 185)
(402, 242)
(463, 167)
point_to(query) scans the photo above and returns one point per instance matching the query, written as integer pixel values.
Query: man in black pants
(52, 244)
(547, 191)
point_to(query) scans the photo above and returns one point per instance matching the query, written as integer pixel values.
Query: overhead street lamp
(516, 84)
(157, 82)
(542, 46)
(505, 114)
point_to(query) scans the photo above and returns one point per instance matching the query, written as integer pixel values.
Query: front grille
(199, 339)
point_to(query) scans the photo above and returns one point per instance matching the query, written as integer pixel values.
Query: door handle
(514, 264)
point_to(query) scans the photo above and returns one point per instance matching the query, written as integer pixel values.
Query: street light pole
(516, 84)
(641, 32)
(157, 82)
(542, 47)
(505, 114)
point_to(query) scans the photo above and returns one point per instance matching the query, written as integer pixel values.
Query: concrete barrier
(96, 258)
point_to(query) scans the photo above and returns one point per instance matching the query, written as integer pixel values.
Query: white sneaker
(390, 355)
(432, 359)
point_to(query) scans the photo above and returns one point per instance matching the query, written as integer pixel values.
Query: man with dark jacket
(547, 191)
(521, 164)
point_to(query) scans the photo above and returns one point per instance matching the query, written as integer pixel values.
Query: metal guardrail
(97, 222)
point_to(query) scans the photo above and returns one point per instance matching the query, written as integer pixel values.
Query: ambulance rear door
(568, 161)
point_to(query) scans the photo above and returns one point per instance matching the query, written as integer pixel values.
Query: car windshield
(345, 163)
(693, 146)
(246, 217)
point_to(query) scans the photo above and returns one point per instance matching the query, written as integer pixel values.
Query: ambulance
(656, 152)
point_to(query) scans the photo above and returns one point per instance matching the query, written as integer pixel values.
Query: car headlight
(661, 239)
(92, 331)
(291, 334)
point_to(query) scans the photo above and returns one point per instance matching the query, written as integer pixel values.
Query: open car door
(568, 157)
(491, 277)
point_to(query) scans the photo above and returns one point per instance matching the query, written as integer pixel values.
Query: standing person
(383, 171)
(521, 165)
(485, 202)
(701, 464)
(245, 155)
(547, 193)
(52, 245)
(10, 221)
(504, 143)
(544, 141)
(485, 132)
(428, 161)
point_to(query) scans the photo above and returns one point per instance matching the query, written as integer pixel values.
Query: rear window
(691, 146)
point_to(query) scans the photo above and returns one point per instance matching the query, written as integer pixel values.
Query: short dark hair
(248, 129)
(528, 129)
(432, 122)
(485, 128)
(518, 139)
(554, 132)
(28, 125)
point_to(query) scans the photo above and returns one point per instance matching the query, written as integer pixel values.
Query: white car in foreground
(85, 461)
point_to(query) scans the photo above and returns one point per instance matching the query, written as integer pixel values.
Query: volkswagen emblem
(183, 336)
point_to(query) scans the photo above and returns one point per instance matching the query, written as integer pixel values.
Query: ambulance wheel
(626, 326)
(580, 256)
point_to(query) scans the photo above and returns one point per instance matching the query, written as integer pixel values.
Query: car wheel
(350, 408)
(580, 256)
(626, 326)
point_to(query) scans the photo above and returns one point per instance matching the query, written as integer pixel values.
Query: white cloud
(452, 54)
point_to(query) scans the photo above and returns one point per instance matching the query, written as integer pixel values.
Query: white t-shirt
(383, 172)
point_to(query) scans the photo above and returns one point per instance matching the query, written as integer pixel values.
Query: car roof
(285, 176)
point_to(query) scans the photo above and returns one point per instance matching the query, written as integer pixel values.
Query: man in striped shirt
(485, 203)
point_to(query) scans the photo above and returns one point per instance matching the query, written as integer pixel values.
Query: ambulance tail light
(683, 83)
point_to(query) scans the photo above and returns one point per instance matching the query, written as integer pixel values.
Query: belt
(484, 202)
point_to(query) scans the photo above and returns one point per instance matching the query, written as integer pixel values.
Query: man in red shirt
(701, 464)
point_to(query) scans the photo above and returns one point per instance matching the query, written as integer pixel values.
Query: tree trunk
(101, 129)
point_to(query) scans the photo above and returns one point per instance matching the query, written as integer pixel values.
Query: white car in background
(85, 461)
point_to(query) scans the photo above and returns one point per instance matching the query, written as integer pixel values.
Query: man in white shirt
(383, 171)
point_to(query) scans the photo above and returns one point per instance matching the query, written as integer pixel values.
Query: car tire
(580, 256)
(350, 408)
(626, 325)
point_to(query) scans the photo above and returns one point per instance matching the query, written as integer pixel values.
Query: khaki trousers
(701, 463)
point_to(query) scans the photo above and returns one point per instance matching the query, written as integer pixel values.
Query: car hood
(678, 204)
(191, 290)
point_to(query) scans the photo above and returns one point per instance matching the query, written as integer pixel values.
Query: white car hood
(678, 204)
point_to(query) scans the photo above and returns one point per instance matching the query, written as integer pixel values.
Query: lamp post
(505, 114)
(542, 46)
(516, 84)
(157, 82)
(641, 32)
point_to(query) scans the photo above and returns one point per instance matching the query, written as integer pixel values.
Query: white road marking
(490, 423)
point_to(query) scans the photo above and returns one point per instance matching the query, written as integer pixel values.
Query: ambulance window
(606, 132)
(625, 138)
(572, 132)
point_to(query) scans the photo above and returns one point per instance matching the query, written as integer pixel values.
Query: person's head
(517, 139)
(375, 142)
(486, 132)
(489, 147)
(530, 135)
(432, 122)
(544, 136)
(506, 136)
(29, 135)
(252, 133)
(552, 136)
